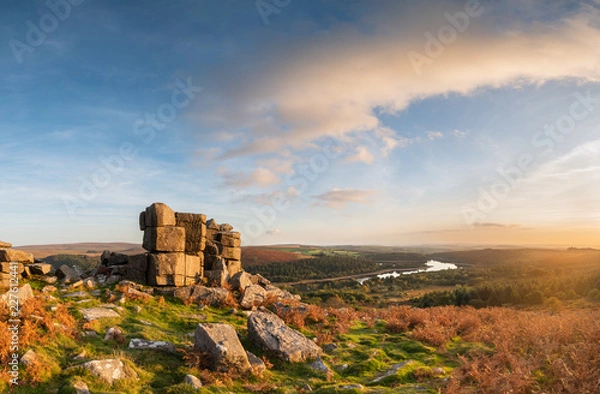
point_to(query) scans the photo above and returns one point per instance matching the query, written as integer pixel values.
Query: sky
(316, 122)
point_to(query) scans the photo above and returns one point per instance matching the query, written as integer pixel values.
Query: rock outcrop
(183, 248)
(271, 333)
(222, 346)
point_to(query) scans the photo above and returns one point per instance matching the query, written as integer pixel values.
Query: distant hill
(251, 255)
(84, 248)
(550, 258)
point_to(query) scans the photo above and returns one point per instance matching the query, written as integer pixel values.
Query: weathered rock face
(223, 347)
(253, 296)
(40, 268)
(109, 370)
(271, 333)
(5, 245)
(166, 269)
(167, 232)
(195, 231)
(164, 239)
(240, 281)
(157, 215)
(67, 273)
(209, 295)
(137, 269)
(13, 255)
(194, 269)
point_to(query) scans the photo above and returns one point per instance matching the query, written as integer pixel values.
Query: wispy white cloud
(338, 84)
(338, 198)
(434, 135)
(260, 177)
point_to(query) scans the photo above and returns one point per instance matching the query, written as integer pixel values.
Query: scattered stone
(90, 283)
(48, 279)
(66, 273)
(77, 294)
(114, 334)
(80, 356)
(81, 388)
(90, 314)
(90, 334)
(137, 308)
(111, 280)
(183, 293)
(13, 255)
(29, 357)
(192, 381)
(23, 294)
(320, 366)
(307, 388)
(221, 343)
(270, 332)
(438, 371)
(258, 365)
(49, 289)
(96, 293)
(258, 279)
(108, 370)
(240, 281)
(75, 285)
(209, 295)
(253, 296)
(134, 294)
(5, 245)
(40, 268)
(330, 348)
(395, 368)
(112, 258)
(354, 386)
(137, 343)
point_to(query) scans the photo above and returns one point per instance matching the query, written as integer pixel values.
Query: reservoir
(432, 266)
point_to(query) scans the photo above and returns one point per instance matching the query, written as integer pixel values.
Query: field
(508, 321)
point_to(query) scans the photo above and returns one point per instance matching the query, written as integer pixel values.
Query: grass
(444, 349)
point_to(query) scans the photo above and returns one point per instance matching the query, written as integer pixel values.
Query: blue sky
(311, 122)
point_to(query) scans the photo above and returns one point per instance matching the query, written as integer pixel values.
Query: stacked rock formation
(184, 248)
(16, 263)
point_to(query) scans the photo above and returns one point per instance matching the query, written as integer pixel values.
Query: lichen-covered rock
(240, 281)
(112, 258)
(223, 347)
(271, 333)
(253, 296)
(90, 314)
(108, 370)
(143, 344)
(209, 295)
